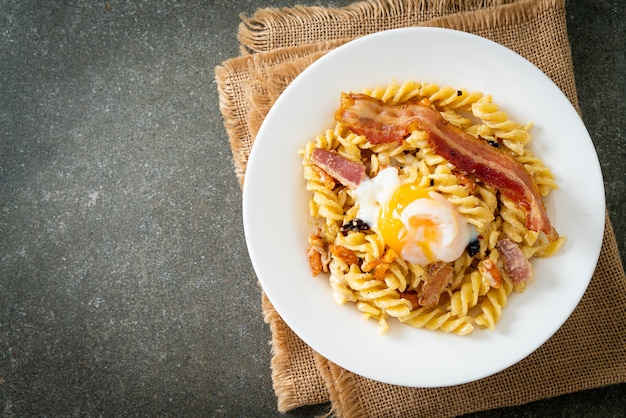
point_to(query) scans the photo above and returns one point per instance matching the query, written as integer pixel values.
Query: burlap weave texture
(588, 351)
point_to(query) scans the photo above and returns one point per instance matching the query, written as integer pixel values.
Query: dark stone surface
(125, 283)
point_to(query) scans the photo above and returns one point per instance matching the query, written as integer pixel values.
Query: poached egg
(421, 226)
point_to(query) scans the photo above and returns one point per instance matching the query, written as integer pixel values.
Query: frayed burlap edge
(248, 86)
(345, 399)
(273, 28)
(295, 383)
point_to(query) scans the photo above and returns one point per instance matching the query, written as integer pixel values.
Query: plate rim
(275, 108)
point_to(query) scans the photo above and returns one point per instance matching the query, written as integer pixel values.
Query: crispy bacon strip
(515, 263)
(439, 278)
(385, 123)
(372, 118)
(380, 271)
(345, 171)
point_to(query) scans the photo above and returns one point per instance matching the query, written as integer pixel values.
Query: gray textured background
(125, 284)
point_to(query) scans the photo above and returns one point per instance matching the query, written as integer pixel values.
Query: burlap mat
(588, 351)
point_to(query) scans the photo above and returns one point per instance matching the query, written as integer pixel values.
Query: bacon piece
(315, 261)
(344, 254)
(490, 165)
(439, 278)
(471, 155)
(380, 265)
(317, 253)
(490, 272)
(371, 118)
(348, 173)
(515, 263)
(380, 271)
(327, 179)
(388, 257)
(411, 297)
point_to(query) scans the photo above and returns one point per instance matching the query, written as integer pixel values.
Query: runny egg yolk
(422, 226)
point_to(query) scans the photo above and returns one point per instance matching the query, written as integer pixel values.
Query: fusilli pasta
(365, 271)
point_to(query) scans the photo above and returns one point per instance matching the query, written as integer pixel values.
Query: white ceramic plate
(276, 219)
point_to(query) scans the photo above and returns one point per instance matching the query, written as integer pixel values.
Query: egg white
(373, 193)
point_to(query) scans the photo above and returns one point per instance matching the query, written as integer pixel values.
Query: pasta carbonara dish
(429, 206)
